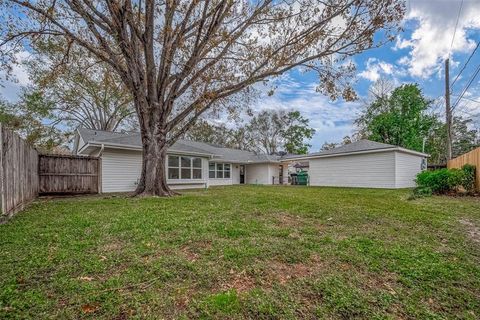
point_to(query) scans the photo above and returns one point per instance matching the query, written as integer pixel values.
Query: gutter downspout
(100, 173)
(102, 147)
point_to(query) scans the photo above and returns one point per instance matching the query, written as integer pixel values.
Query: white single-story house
(192, 164)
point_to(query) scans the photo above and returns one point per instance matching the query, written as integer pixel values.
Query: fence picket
(473, 158)
(18, 173)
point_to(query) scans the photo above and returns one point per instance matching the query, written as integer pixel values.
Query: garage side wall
(258, 174)
(407, 168)
(120, 170)
(373, 170)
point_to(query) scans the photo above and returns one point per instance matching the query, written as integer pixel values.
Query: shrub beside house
(445, 181)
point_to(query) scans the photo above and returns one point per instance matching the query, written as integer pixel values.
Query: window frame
(219, 167)
(180, 167)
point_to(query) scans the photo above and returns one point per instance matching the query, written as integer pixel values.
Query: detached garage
(365, 164)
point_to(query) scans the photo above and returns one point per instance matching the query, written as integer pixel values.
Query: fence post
(3, 209)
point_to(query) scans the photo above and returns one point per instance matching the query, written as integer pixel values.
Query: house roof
(133, 140)
(361, 146)
(302, 164)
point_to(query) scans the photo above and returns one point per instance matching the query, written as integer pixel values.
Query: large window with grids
(184, 168)
(219, 170)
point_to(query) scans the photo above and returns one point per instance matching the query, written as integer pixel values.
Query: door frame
(243, 168)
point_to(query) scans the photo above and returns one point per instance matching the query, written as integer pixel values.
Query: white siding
(373, 170)
(407, 168)
(120, 170)
(261, 173)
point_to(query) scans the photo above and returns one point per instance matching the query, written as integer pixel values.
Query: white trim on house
(137, 148)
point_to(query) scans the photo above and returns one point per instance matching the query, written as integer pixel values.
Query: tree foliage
(274, 131)
(83, 91)
(269, 132)
(401, 119)
(404, 117)
(180, 58)
(25, 117)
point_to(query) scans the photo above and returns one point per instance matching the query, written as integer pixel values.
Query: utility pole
(448, 110)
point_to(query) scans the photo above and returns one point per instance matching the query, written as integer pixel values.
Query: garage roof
(361, 146)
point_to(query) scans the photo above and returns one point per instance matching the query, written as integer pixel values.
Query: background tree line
(269, 131)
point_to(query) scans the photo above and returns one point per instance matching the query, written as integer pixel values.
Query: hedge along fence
(18, 173)
(473, 158)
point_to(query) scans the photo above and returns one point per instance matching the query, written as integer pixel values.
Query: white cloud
(432, 36)
(10, 89)
(375, 69)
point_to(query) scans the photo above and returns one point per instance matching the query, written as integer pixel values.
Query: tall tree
(274, 131)
(404, 117)
(328, 146)
(179, 58)
(203, 131)
(83, 91)
(25, 118)
(296, 132)
(268, 132)
(401, 119)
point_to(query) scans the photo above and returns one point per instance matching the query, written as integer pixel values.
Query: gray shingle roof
(218, 152)
(361, 145)
(358, 146)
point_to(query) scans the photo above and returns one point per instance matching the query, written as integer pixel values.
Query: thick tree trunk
(153, 180)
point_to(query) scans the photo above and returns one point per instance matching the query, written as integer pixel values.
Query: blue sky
(416, 55)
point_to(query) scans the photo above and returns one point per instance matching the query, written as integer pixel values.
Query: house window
(219, 170)
(180, 167)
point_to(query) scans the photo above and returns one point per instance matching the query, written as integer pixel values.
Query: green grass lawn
(244, 252)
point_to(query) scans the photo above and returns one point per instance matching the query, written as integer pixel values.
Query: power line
(468, 86)
(456, 25)
(467, 98)
(465, 65)
(464, 109)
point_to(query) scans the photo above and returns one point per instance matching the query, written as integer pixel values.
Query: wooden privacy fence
(18, 173)
(68, 174)
(472, 157)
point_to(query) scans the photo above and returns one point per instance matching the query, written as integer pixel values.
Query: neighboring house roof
(133, 140)
(301, 164)
(361, 146)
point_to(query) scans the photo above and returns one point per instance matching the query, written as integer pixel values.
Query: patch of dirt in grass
(189, 254)
(154, 256)
(181, 303)
(473, 231)
(288, 220)
(282, 272)
(192, 250)
(286, 272)
(112, 246)
(241, 282)
(386, 281)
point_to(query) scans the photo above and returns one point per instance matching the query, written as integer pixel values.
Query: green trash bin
(302, 178)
